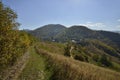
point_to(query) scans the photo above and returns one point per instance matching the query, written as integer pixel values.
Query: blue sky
(95, 14)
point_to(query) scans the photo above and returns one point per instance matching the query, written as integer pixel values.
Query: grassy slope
(52, 47)
(35, 68)
(64, 68)
(49, 64)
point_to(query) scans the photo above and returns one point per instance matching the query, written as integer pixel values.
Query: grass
(35, 68)
(116, 66)
(52, 47)
(47, 63)
(64, 68)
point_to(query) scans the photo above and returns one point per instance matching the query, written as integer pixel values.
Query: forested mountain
(47, 32)
(60, 33)
(76, 33)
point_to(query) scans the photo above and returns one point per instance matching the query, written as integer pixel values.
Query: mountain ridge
(61, 33)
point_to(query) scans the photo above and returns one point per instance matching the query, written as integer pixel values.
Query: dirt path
(35, 69)
(71, 48)
(13, 72)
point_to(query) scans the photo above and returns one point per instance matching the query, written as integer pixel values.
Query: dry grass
(52, 47)
(65, 68)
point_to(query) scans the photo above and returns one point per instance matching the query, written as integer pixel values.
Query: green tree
(67, 49)
(8, 36)
(104, 60)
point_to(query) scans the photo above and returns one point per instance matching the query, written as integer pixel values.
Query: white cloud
(95, 25)
(102, 26)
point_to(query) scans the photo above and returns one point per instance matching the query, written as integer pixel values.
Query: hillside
(76, 33)
(117, 32)
(89, 51)
(47, 32)
(100, 48)
(88, 60)
(60, 33)
(48, 64)
(112, 36)
(64, 68)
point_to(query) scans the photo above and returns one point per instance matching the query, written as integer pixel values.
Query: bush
(105, 61)
(13, 43)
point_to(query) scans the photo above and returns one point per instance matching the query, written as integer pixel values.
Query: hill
(76, 33)
(48, 64)
(47, 32)
(59, 33)
(116, 31)
(63, 66)
(111, 36)
(89, 51)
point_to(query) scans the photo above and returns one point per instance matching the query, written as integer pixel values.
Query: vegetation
(95, 52)
(13, 43)
(35, 68)
(65, 68)
(60, 33)
(89, 54)
(67, 50)
(52, 47)
(47, 32)
(7, 35)
(86, 51)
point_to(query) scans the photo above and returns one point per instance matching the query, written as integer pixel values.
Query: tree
(8, 36)
(105, 61)
(67, 50)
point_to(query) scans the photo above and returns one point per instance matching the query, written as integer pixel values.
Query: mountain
(117, 31)
(47, 32)
(111, 36)
(76, 33)
(59, 33)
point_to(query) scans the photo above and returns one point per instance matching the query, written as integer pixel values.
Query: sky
(95, 14)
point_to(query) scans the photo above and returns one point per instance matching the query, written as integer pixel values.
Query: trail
(13, 72)
(35, 68)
